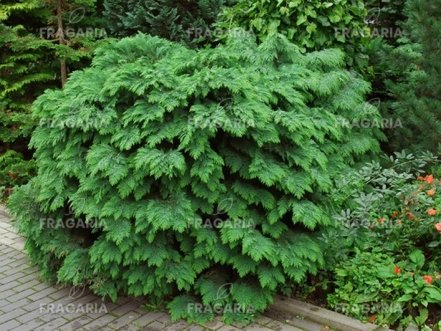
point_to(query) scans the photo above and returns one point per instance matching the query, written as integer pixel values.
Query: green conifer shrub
(202, 175)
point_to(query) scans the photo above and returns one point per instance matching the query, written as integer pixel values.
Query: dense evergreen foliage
(186, 21)
(414, 79)
(24, 73)
(34, 58)
(194, 169)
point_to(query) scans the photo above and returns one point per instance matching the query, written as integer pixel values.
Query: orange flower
(429, 179)
(431, 212)
(431, 192)
(381, 220)
(410, 216)
(372, 318)
(394, 214)
(438, 227)
(397, 270)
(428, 279)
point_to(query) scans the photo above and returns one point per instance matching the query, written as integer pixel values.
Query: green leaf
(422, 317)
(417, 257)
(433, 294)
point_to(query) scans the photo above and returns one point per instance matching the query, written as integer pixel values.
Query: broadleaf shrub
(383, 258)
(195, 175)
(312, 24)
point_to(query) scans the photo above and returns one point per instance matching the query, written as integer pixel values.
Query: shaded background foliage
(415, 85)
(189, 22)
(313, 25)
(31, 55)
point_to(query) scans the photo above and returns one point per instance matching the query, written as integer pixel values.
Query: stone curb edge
(323, 316)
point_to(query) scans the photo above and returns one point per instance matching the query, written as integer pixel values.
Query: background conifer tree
(31, 57)
(25, 71)
(188, 21)
(413, 79)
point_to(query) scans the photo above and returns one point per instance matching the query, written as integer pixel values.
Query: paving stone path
(27, 303)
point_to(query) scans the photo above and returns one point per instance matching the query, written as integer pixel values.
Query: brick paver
(27, 303)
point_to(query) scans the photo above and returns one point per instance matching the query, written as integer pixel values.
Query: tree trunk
(61, 40)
